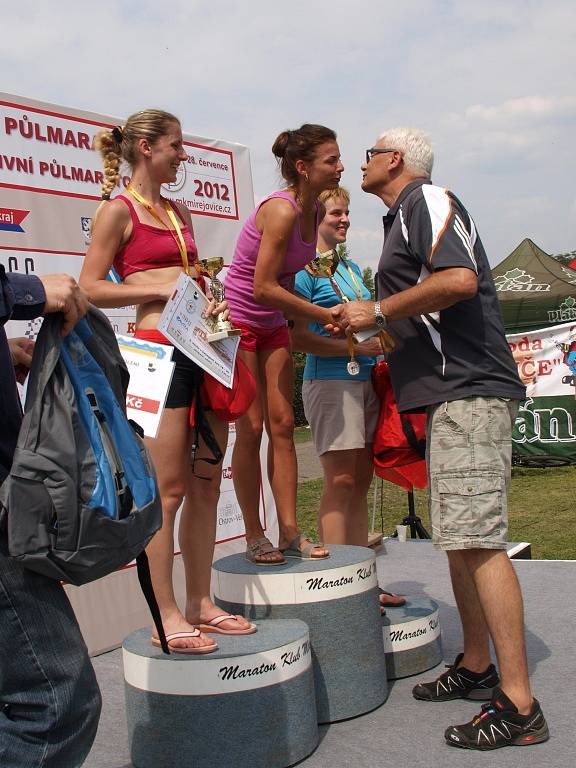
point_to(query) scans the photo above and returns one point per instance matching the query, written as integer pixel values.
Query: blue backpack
(81, 497)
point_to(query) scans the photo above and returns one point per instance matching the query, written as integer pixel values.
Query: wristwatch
(381, 320)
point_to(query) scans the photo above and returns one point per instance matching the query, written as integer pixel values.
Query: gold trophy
(222, 329)
(325, 264)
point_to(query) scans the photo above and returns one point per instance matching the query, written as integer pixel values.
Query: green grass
(302, 435)
(539, 507)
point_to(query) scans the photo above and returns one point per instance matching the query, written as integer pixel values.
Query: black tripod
(417, 530)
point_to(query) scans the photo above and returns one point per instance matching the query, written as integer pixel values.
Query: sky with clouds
(491, 81)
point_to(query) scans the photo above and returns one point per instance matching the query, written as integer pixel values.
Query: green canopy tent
(534, 289)
(536, 293)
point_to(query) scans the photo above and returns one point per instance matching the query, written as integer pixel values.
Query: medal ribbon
(386, 340)
(357, 289)
(342, 296)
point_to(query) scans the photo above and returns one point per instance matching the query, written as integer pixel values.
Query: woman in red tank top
(136, 234)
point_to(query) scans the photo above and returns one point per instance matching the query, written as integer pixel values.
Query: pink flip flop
(182, 636)
(214, 626)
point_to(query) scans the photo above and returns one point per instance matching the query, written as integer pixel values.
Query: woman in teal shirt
(341, 408)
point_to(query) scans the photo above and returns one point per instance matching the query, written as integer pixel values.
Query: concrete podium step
(250, 704)
(338, 599)
(412, 639)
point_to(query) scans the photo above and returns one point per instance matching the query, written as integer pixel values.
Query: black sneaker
(459, 683)
(500, 725)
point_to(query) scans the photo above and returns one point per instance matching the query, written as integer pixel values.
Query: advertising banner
(50, 180)
(545, 430)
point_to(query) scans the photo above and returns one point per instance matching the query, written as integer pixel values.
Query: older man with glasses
(437, 299)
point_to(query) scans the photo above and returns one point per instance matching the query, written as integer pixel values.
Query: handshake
(358, 319)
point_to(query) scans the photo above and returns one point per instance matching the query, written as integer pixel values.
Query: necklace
(176, 232)
(353, 367)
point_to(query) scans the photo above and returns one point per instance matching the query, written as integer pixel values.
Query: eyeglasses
(375, 151)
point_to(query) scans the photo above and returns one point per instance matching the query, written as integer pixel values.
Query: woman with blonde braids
(146, 238)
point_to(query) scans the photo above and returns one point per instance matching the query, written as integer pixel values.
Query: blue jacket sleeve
(22, 297)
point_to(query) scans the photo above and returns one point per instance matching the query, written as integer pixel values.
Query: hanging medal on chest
(353, 367)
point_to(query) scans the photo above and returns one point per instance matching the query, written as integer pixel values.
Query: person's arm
(108, 237)
(21, 353)
(439, 291)
(439, 236)
(305, 340)
(278, 219)
(24, 297)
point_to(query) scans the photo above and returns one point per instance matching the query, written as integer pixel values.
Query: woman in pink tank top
(276, 242)
(140, 233)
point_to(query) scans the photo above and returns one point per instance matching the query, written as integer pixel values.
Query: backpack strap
(143, 569)
(145, 579)
(203, 429)
(418, 445)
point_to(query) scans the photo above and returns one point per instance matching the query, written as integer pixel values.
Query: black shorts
(186, 379)
(184, 388)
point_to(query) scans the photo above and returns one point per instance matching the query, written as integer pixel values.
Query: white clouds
(525, 209)
(513, 111)
(518, 122)
(490, 81)
(511, 129)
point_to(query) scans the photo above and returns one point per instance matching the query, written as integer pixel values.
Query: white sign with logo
(150, 367)
(50, 180)
(546, 360)
(518, 280)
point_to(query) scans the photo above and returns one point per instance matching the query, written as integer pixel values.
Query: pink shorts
(254, 339)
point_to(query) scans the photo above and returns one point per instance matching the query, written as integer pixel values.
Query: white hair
(415, 146)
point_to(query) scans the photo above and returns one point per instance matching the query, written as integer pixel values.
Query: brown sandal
(260, 547)
(301, 548)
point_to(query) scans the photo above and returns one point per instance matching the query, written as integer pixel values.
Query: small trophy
(222, 329)
(325, 265)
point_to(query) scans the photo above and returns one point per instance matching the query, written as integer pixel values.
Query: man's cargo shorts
(468, 450)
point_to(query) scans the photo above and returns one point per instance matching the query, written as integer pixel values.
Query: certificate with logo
(151, 368)
(183, 323)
